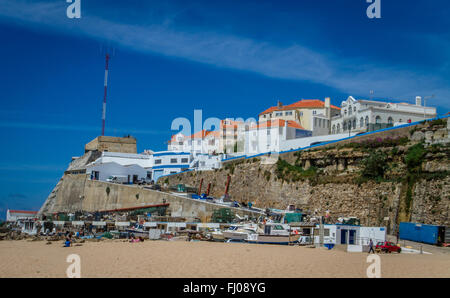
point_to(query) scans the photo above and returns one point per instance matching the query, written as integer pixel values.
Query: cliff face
(67, 192)
(382, 179)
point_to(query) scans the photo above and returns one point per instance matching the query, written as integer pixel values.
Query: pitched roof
(214, 134)
(310, 103)
(22, 211)
(304, 103)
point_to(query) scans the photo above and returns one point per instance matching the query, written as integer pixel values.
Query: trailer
(430, 234)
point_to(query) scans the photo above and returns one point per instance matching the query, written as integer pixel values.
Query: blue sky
(228, 58)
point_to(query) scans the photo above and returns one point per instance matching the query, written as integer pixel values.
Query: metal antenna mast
(104, 97)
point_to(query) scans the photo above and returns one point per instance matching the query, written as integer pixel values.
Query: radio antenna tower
(104, 97)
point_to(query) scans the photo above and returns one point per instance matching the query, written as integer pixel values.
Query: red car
(387, 247)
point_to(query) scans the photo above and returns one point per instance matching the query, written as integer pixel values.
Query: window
(288, 114)
(345, 112)
(349, 110)
(314, 112)
(173, 172)
(400, 120)
(173, 160)
(278, 114)
(333, 131)
(390, 120)
(344, 127)
(361, 122)
(199, 142)
(367, 120)
(268, 132)
(338, 128)
(354, 123)
(301, 114)
(184, 160)
(157, 161)
(377, 119)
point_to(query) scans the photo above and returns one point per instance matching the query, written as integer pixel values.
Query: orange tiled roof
(22, 211)
(277, 123)
(304, 103)
(214, 134)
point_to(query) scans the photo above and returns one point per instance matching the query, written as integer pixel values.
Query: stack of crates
(223, 215)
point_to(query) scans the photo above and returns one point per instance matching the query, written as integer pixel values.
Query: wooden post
(208, 189)
(228, 185)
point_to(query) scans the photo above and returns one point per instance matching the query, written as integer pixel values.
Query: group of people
(136, 239)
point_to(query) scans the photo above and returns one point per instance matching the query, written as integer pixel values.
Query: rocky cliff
(382, 178)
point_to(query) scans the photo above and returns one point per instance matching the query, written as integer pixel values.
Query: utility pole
(104, 97)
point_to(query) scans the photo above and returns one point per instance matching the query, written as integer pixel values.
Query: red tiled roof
(214, 134)
(22, 211)
(304, 103)
(278, 123)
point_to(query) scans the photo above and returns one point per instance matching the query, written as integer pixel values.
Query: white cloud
(293, 62)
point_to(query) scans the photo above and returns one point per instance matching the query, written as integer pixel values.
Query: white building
(368, 115)
(170, 162)
(132, 166)
(15, 215)
(349, 234)
(103, 171)
(206, 162)
(269, 136)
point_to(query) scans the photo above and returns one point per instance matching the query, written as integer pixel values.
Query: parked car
(117, 179)
(387, 247)
(142, 181)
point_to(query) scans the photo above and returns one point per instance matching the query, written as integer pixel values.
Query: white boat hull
(272, 239)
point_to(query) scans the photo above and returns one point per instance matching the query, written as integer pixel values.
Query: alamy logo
(374, 9)
(74, 9)
(74, 269)
(374, 269)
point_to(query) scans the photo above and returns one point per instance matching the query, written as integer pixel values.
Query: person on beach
(67, 243)
(371, 246)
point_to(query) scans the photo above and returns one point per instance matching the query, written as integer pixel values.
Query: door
(135, 178)
(351, 238)
(344, 236)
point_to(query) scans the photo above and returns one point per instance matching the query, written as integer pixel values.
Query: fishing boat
(217, 235)
(273, 233)
(138, 231)
(239, 232)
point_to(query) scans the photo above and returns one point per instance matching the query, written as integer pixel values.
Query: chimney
(418, 101)
(279, 104)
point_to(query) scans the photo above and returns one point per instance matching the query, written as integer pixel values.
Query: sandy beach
(205, 259)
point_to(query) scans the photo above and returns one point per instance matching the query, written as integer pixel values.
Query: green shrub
(414, 157)
(374, 165)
